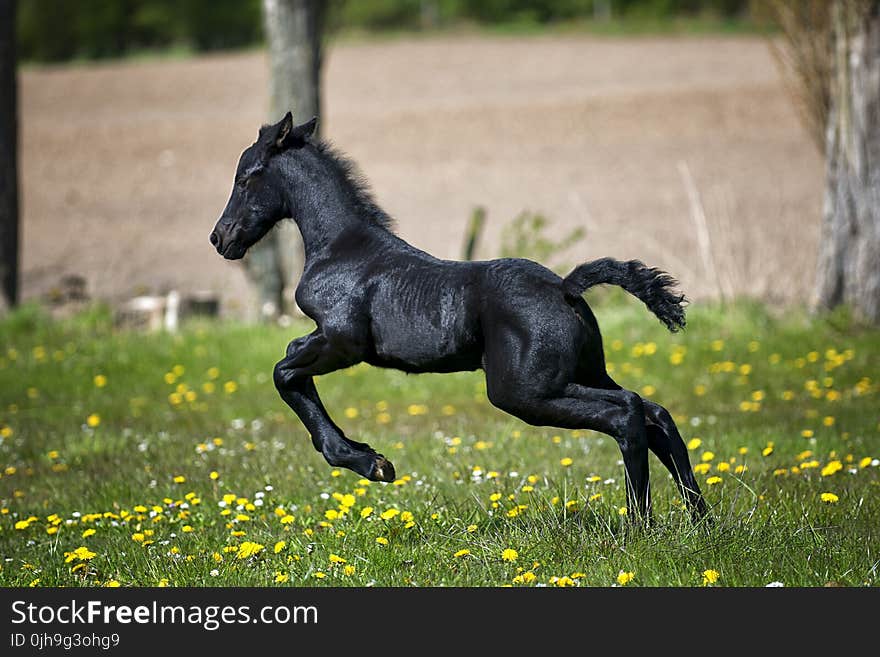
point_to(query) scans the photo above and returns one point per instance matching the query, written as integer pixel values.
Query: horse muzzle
(226, 245)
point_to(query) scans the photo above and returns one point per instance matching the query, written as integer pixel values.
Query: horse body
(377, 299)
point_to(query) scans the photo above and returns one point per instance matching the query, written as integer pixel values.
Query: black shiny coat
(377, 299)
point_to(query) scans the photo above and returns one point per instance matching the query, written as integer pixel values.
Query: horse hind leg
(666, 442)
(617, 413)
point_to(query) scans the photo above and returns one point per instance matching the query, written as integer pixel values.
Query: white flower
(214, 573)
(774, 585)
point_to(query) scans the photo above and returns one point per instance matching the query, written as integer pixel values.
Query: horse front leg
(307, 357)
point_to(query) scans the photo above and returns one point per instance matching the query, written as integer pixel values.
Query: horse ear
(283, 131)
(303, 132)
(286, 135)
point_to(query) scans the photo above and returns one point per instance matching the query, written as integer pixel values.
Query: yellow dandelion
(622, 511)
(710, 577)
(335, 558)
(281, 578)
(417, 409)
(88, 532)
(624, 578)
(831, 468)
(565, 462)
(100, 380)
(694, 443)
(509, 555)
(93, 420)
(471, 528)
(381, 540)
(351, 412)
(249, 549)
(179, 479)
(229, 387)
(829, 498)
(82, 553)
(389, 514)
(711, 481)
(461, 553)
(707, 456)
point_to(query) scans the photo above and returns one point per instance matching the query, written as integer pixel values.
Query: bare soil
(127, 165)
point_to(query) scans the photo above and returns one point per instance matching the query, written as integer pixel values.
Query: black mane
(358, 185)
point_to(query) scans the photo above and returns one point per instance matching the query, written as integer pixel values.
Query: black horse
(377, 299)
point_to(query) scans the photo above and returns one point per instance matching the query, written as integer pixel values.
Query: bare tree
(293, 30)
(8, 158)
(840, 80)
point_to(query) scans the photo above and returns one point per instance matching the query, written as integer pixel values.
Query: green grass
(472, 478)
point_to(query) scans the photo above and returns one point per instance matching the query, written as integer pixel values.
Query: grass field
(140, 460)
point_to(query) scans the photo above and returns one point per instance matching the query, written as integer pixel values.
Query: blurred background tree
(294, 30)
(831, 51)
(8, 158)
(60, 30)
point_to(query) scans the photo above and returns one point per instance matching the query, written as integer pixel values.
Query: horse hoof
(382, 470)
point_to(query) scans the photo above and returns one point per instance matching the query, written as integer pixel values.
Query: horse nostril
(215, 238)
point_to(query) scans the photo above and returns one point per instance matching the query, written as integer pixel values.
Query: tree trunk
(849, 247)
(293, 31)
(8, 158)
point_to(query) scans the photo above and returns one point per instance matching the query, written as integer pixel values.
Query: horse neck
(320, 203)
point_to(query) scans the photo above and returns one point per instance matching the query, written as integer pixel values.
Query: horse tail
(652, 286)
